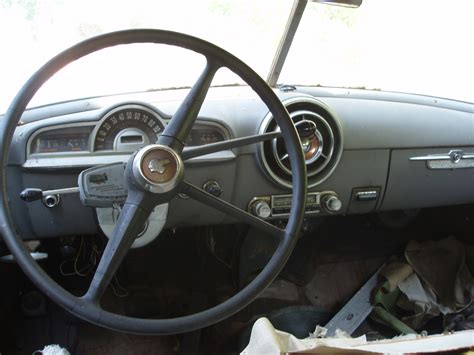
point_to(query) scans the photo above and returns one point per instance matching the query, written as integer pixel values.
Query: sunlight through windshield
(39, 29)
(419, 46)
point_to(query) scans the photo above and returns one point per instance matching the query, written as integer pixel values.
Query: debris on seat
(434, 280)
(460, 321)
(441, 266)
(265, 339)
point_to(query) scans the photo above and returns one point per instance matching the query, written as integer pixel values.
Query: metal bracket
(354, 312)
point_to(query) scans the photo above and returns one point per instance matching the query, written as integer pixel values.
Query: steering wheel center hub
(158, 168)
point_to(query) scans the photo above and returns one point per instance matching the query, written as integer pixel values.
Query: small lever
(32, 194)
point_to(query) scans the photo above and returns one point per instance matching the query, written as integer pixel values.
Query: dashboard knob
(212, 187)
(261, 209)
(332, 203)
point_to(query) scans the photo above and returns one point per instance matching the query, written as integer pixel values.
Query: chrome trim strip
(431, 157)
(454, 155)
(87, 161)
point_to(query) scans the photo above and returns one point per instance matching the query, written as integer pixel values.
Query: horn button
(157, 168)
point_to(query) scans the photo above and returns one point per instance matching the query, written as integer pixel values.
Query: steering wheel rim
(91, 311)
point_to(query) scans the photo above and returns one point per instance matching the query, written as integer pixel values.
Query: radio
(280, 205)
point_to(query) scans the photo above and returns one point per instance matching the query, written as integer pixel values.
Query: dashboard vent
(322, 149)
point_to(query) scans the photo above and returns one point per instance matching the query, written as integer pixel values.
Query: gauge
(127, 128)
(206, 137)
(201, 136)
(66, 139)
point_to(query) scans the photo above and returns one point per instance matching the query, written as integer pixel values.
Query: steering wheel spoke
(303, 130)
(243, 216)
(180, 125)
(130, 223)
(228, 144)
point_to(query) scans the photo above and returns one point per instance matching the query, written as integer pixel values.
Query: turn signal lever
(51, 198)
(30, 194)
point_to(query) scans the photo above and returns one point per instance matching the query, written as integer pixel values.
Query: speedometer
(127, 128)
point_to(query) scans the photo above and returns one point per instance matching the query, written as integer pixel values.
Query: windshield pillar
(286, 40)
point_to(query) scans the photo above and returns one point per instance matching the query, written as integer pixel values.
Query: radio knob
(332, 203)
(261, 209)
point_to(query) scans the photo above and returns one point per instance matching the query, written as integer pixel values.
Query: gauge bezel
(54, 128)
(210, 125)
(113, 111)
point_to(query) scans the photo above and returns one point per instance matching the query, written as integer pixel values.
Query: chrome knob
(261, 209)
(51, 201)
(332, 203)
(212, 187)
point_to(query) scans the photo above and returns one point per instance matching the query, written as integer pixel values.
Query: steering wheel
(154, 175)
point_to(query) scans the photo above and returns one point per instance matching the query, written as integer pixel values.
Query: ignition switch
(51, 201)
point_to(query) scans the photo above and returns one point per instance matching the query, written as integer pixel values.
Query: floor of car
(330, 263)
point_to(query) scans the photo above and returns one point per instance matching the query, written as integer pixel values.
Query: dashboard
(371, 151)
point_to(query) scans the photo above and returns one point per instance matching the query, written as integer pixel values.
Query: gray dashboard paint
(70, 217)
(374, 124)
(411, 184)
(388, 96)
(370, 124)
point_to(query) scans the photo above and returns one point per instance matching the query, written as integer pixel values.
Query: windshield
(409, 46)
(423, 47)
(39, 29)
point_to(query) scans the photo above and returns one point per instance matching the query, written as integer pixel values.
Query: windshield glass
(33, 31)
(422, 47)
(409, 46)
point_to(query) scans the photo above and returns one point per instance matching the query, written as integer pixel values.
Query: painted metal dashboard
(372, 142)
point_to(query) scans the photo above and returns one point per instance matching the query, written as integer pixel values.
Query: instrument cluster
(125, 128)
